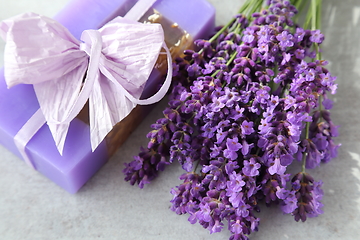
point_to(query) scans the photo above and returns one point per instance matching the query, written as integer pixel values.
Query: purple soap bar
(78, 163)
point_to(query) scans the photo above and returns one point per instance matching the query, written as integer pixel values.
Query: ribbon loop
(109, 68)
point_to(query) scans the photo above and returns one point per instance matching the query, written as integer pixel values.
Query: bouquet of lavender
(250, 102)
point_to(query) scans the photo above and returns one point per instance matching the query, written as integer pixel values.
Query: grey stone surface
(32, 207)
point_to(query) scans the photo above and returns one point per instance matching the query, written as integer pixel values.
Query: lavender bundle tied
(252, 101)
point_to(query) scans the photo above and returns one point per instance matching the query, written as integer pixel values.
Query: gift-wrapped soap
(76, 160)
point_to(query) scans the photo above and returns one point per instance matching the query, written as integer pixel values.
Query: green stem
(303, 167)
(318, 22)
(307, 20)
(246, 7)
(313, 13)
(223, 29)
(300, 5)
(320, 105)
(196, 166)
(215, 73)
(256, 7)
(249, 7)
(233, 56)
(313, 17)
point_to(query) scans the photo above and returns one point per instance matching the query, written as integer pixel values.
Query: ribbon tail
(107, 106)
(56, 99)
(28, 130)
(59, 132)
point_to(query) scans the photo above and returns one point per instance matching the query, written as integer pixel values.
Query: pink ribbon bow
(109, 68)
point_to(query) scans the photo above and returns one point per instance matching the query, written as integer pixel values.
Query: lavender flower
(249, 103)
(251, 167)
(308, 194)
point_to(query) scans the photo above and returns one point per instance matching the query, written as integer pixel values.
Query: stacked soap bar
(194, 18)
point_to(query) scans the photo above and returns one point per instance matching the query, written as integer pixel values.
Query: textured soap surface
(17, 104)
